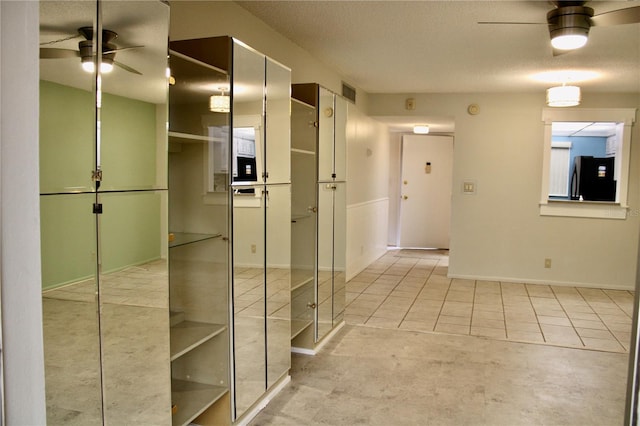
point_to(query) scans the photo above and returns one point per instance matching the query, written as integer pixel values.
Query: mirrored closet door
(103, 103)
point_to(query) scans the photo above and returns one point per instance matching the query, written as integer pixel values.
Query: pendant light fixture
(220, 103)
(563, 96)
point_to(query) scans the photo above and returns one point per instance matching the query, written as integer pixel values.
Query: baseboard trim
(539, 281)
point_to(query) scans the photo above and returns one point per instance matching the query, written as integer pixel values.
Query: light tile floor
(409, 290)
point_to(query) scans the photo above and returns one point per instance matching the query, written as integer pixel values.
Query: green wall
(130, 226)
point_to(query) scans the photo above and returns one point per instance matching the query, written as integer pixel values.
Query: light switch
(468, 187)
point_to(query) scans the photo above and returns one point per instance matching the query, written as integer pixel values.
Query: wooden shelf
(298, 326)
(192, 399)
(187, 335)
(183, 238)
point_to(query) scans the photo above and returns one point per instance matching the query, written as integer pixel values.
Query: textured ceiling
(438, 46)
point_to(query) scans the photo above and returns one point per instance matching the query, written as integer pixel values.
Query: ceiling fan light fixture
(569, 26)
(569, 41)
(421, 129)
(563, 96)
(106, 66)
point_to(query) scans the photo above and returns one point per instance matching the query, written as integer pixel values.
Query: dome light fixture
(421, 129)
(563, 96)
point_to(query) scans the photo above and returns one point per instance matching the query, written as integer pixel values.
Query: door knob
(405, 197)
(311, 305)
(313, 209)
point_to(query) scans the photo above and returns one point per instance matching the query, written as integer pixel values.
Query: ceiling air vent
(349, 92)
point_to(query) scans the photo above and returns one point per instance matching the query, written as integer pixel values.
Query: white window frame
(594, 209)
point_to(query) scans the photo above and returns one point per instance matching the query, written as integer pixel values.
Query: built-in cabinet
(318, 151)
(230, 204)
(198, 244)
(103, 211)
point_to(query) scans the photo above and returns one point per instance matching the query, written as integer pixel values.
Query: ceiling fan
(569, 23)
(85, 51)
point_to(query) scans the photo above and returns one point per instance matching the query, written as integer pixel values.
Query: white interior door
(427, 173)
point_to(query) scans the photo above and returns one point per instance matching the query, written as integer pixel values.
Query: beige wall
(498, 233)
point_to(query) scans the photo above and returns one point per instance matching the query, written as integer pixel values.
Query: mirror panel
(278, 122)
(340, 143)
(326, 130)
(248, 229)
(324, 289)
(67, 98)
(68, 225)
(92, 346)
(70, 310)
(134, 308)
(132, 147)
(339, 252)
(278, 281)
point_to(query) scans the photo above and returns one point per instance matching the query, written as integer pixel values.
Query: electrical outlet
(547, 263)
(253, 248)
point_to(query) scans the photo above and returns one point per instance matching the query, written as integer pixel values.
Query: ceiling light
(563, 96)
(220, 103)
(569, 26)
(421, 129)
(106, 66)
(569, 41)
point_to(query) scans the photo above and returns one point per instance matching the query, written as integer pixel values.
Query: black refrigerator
(593, 179)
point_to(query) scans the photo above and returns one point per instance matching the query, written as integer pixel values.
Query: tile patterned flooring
(409, 290)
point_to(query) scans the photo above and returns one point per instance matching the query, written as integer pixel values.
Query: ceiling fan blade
(52, 53)
(511, 23)
(127, 67)
(630, 15)
(120, 49)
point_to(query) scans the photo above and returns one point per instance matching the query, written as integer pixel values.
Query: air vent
(349, 92)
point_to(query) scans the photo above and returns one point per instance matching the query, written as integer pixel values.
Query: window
(586, 162)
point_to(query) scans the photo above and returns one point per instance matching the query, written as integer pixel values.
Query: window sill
(591, 209)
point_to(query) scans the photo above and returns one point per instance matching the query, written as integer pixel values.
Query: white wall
(19, 215)
(498, 233)
(367, 174)
(367, 191)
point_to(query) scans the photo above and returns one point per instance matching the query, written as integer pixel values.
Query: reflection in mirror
(324, 290)
(248, 240)
(278, 221)
(105, 295)
(68, 234)
(585, 161)
(339, 252)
